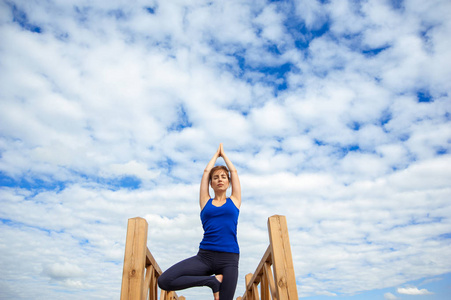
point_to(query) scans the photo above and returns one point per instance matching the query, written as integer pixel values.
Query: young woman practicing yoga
(216, 263)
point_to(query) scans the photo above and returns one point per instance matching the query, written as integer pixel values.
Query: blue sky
(335, 113)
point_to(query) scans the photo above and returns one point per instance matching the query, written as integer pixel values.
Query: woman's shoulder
(204, 203)
(235, 201)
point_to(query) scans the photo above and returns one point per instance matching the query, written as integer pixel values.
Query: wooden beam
(153, 287)
(264, 286)
(147, 281)
(255, 295)
(269, 276)
(163, 295)
(285, 279)
(248, 294)
(134, 259)
(150, 260)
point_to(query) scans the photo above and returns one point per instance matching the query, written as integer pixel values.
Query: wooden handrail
(274, 273)
(281, 285)
(141, 271)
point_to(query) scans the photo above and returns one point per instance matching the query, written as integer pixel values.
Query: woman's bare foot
(219, 278)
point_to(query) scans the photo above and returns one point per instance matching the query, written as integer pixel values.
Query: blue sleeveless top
(220, 227)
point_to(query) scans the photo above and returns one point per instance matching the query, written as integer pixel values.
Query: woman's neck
(220, 197)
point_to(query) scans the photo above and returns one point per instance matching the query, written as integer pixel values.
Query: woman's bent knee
(163, 283)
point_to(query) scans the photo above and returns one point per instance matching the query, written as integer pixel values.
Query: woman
(216, 263)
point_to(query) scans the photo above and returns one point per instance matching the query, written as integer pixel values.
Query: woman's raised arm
(236, 186)
(204, 194)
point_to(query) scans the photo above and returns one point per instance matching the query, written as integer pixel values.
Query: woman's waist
(214, 255)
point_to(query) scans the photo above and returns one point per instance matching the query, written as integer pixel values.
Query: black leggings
(198, 271)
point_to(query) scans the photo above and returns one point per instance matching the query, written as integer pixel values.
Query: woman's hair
(212, 171)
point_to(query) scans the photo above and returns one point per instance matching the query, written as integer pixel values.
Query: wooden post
(255, 295)
(264, 286)
(172, 296)
(168, 295)
(285, 280)
(134, 259)
(249, 294)
(153, 290)
(268, 274)
(147, 281)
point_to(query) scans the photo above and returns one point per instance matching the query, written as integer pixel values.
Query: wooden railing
(275, 272)
(141, 271)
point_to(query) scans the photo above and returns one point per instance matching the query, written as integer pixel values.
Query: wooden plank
(147, 281)
(285, 279)
(134, 259)
(270, 278)
(155, 288)
(169, 295)
(264, 287)
(255, 295)
(163, 295)
(150, 260)
(153, 292)
(172, 296)
(248, 294)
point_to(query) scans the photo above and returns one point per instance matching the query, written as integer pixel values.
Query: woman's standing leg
(190, 272)
(228, 285)
(227, 265)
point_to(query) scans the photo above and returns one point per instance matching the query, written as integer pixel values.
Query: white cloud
(312, 12)
(413, 291)
(390, 296)
(110, 91)
(271, 22)
(62, 271)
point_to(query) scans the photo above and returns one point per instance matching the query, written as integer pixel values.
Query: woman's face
(219, 180)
